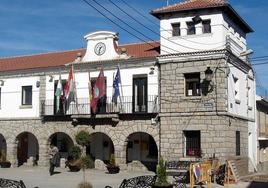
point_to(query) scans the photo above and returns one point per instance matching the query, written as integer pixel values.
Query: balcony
(125, 105)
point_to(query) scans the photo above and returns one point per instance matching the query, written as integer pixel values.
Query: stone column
(12, 152)
(43, 153)
(120, 156)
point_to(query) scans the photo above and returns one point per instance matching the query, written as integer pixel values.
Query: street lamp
(208, 74)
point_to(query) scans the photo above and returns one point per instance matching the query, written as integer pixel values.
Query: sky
(39, 26)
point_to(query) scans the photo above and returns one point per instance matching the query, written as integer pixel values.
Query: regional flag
(99, 91)
(69, 88)
(58, 94)
(117, 80)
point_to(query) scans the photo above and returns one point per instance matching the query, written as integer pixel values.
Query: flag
(69, 88)
(98, 91)
(117, 80)
(58, 94)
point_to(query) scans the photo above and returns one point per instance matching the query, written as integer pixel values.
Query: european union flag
(117, 80)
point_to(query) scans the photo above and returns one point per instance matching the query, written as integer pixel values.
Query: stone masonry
(206, 113)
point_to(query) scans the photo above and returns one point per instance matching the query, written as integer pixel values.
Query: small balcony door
(139, 99)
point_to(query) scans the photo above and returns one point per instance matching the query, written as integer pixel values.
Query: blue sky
(37, 26)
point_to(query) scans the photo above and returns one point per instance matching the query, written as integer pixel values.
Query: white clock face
(100, 48)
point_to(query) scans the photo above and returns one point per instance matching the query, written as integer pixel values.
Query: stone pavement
(64, 179)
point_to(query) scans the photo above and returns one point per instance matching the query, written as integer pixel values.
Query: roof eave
(245, 26)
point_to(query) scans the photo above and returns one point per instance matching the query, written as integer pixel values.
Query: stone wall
(205, 113)
(10, 129)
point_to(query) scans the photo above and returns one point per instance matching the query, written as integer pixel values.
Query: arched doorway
(3, 148)
(63, 142)
(27, 148)
(142, 147)
(101, 147)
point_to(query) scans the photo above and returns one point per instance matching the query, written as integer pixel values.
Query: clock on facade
(100, 48)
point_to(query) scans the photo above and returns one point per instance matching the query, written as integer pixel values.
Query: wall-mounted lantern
(2, 82)
(208, 74)
(51, 78)
(37, 84)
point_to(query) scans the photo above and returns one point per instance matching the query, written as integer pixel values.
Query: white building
(167, 105)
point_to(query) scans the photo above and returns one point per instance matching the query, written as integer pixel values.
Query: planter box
(162, 186)
(5, 164)
(113, 169)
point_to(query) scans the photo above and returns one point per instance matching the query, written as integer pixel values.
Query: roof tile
(136, 50)
(190, 4)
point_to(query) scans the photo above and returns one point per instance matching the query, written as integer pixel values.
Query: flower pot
(163, 186)
(113, 169)
(74, 165)
(74, 168)
(5, 164)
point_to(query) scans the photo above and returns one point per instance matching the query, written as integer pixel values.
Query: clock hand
(100, 49)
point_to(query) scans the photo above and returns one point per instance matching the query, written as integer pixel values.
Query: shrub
(161, 173)
(83, 138)
(84, 185)
(112, 160)
(75, 152)
(87, 162)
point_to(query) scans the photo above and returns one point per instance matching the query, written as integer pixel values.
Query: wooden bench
(137, 182)
(6, 183)
(180, 172)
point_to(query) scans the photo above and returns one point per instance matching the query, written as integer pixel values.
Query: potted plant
(74, 161)
(161, 176)
(3, 162)
(112, 167)
(83, 139)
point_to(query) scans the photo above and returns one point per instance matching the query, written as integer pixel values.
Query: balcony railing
(124, 105)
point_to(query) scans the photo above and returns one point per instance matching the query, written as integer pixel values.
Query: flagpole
(120, 99)
(75, 91)
(89, 89)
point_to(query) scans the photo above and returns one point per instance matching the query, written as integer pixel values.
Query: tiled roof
(136, 50)
(190, 4)
(204, 4)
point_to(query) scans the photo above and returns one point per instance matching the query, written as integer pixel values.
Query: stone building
(262, 124)
(190, 95)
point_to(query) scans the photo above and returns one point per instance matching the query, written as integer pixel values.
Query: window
(236, 89)
(190, 28)
(176, 29)
(192, 143)
(139, 102)
(237, 143)
(206, 26)
(26, 95)
(192, 83)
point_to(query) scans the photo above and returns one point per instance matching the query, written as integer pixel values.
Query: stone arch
(142, 147)
(101, 146)
(27, 149)
(62, 141)
(3, 148)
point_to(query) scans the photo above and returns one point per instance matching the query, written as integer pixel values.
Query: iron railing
(124, 105)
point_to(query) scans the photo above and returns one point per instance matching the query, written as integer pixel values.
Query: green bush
(84, 185)
(87, 162)
(112, 160)
(75, 152)
(83, 138)
(161, 173)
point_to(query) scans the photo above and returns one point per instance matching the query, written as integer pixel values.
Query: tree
(83, 138)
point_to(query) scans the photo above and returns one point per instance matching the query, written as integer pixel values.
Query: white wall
(82, 79)
(221, 27)
(11, 95)
(240, 105)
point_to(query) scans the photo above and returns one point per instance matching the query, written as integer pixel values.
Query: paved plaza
(40, 177)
